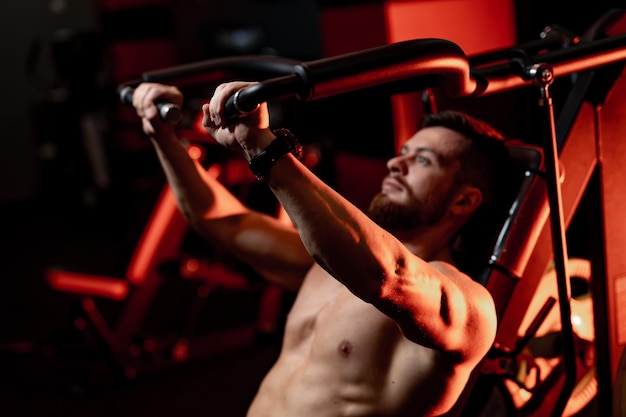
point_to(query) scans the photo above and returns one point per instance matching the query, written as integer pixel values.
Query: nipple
(345, 348)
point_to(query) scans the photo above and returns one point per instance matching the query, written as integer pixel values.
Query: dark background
(62, 206)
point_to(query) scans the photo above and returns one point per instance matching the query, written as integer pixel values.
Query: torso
(343, 357)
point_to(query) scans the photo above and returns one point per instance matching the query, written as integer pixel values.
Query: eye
(421, 159)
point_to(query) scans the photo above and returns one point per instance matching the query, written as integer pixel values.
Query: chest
(327, 314)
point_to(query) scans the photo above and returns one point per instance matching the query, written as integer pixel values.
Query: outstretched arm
(270, 246)
(434, 304)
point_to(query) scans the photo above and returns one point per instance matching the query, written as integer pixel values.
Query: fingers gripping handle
(235, 107)
(248, 99)
(168, 112)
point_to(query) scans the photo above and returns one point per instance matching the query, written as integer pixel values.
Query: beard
(412, 214)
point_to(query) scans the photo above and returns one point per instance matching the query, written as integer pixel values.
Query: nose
(397, 165)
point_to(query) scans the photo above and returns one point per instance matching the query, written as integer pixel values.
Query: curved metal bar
(363, 69)
(212, 70)
(390, 63)
(258, 66)
(386, 65)
(411, 60)
(503, 76)
(249, 98)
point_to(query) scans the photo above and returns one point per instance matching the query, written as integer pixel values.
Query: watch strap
(284, 143)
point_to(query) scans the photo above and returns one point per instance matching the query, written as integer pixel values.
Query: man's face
(422, 181)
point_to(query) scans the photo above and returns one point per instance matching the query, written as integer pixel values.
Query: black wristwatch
(284, 143)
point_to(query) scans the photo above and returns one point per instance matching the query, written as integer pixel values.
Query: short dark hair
(484, 158)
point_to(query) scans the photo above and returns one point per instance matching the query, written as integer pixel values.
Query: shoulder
(480, 322)
(465, 283)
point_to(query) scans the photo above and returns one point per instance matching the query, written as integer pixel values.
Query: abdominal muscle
(342, 357)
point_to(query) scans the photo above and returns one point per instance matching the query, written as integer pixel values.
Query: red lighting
(195, 152)
(86, 284)
(214, 170)
(160, 239)
(191, 265)
(149, 346)
(180, 351)
(476, 26)
(311, 160)
(80, 324)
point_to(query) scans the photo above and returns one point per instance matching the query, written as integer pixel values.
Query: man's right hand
(145, 97)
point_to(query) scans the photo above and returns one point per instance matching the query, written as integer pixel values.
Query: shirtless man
(384, 324)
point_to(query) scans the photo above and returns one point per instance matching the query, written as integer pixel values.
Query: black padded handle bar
(388, 64)
(504, 74)
(329, 76)
(213, 70)
(458, 75)
(218, 69)
(363, 69)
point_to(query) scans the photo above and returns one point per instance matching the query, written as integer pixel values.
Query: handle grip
(168, 112)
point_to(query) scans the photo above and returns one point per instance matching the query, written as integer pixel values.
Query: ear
(467, 200)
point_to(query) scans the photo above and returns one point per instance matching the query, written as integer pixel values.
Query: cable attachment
(541, 74)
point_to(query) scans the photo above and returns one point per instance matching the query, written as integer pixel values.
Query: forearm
(200, 196)
(339, 236)
(264, 242)
(272, 248)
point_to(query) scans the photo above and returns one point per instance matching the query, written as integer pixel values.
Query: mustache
(397, 181)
